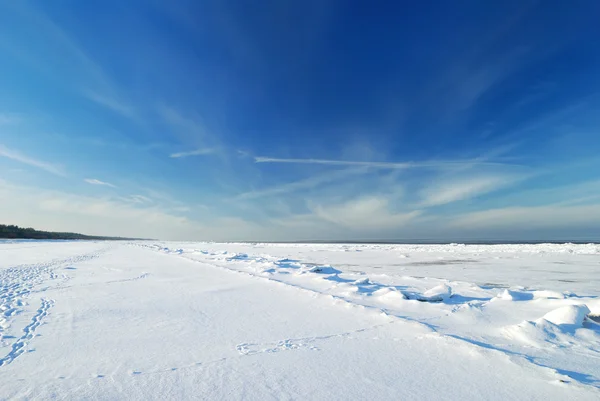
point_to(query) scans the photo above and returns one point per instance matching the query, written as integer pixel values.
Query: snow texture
(147, 320)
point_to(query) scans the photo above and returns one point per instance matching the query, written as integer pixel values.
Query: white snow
(571, 316)
(158, 320)
(438, 293)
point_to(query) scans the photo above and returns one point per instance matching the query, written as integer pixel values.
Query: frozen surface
(154, 320)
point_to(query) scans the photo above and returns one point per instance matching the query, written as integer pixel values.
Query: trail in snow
(17, 284)
(298, 343)
(18, 347)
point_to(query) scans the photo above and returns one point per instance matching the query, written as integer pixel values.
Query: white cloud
(519, 218)
(365, 214)
(442, 191)
(64, 211)
(113, 103)
(9, 118)
(378, 165)
(19, 157)
(73, 67)
(188, 129)
(357, 219)
(61, 211)
(306, 184)
(138, 199)
(374, 217)
(94, 181)
(191, 131)
(159, 196)
(196, 152)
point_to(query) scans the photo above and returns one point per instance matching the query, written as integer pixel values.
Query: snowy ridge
(471, 313)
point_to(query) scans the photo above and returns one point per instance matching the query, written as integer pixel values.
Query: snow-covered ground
(160, 320)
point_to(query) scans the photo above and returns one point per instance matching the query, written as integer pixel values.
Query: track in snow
(19, 346)
(16, 286)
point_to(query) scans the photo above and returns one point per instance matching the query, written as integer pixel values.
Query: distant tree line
(16, 232)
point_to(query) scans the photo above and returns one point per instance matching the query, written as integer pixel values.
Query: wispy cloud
(64, 211)
(139, 199)
(520, 217)
(186, 128)
(94, 181)
(368, 213)
(9, 118)
(191, 131)
(75, 66)
(21, 158)
(196, 152)
(378, 165)
(306, 184)
(111, 102)
(457, 189)
(475, 71)
(158, 198)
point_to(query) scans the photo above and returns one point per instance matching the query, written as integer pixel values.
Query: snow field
(146, 320)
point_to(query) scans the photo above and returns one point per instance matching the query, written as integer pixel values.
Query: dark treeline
(16, 232)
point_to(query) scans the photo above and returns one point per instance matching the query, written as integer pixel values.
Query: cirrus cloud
(94, 181)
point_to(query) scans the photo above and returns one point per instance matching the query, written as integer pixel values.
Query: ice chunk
(568, 317)
(506, 295)
(389, 295)
(510, 295)
(436, 294)
(324, 270)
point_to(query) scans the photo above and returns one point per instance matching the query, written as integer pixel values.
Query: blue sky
(234, 120)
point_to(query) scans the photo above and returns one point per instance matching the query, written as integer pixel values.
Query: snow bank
(594, 306)
(509, 295)
(512, 295)
(436, 294)
(324, 270)
(545, 294)
(556, 327)
(568, 317)
(389, 295)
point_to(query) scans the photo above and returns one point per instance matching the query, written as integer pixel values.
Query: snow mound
(594, 307)
(545, 294)
(556, 327)
(436, 294)
(535, 334)
(568, 317)
(237, 256)
(362, 281)
(511, 295)
(506, 295)
(324, 270)
(389, 295)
